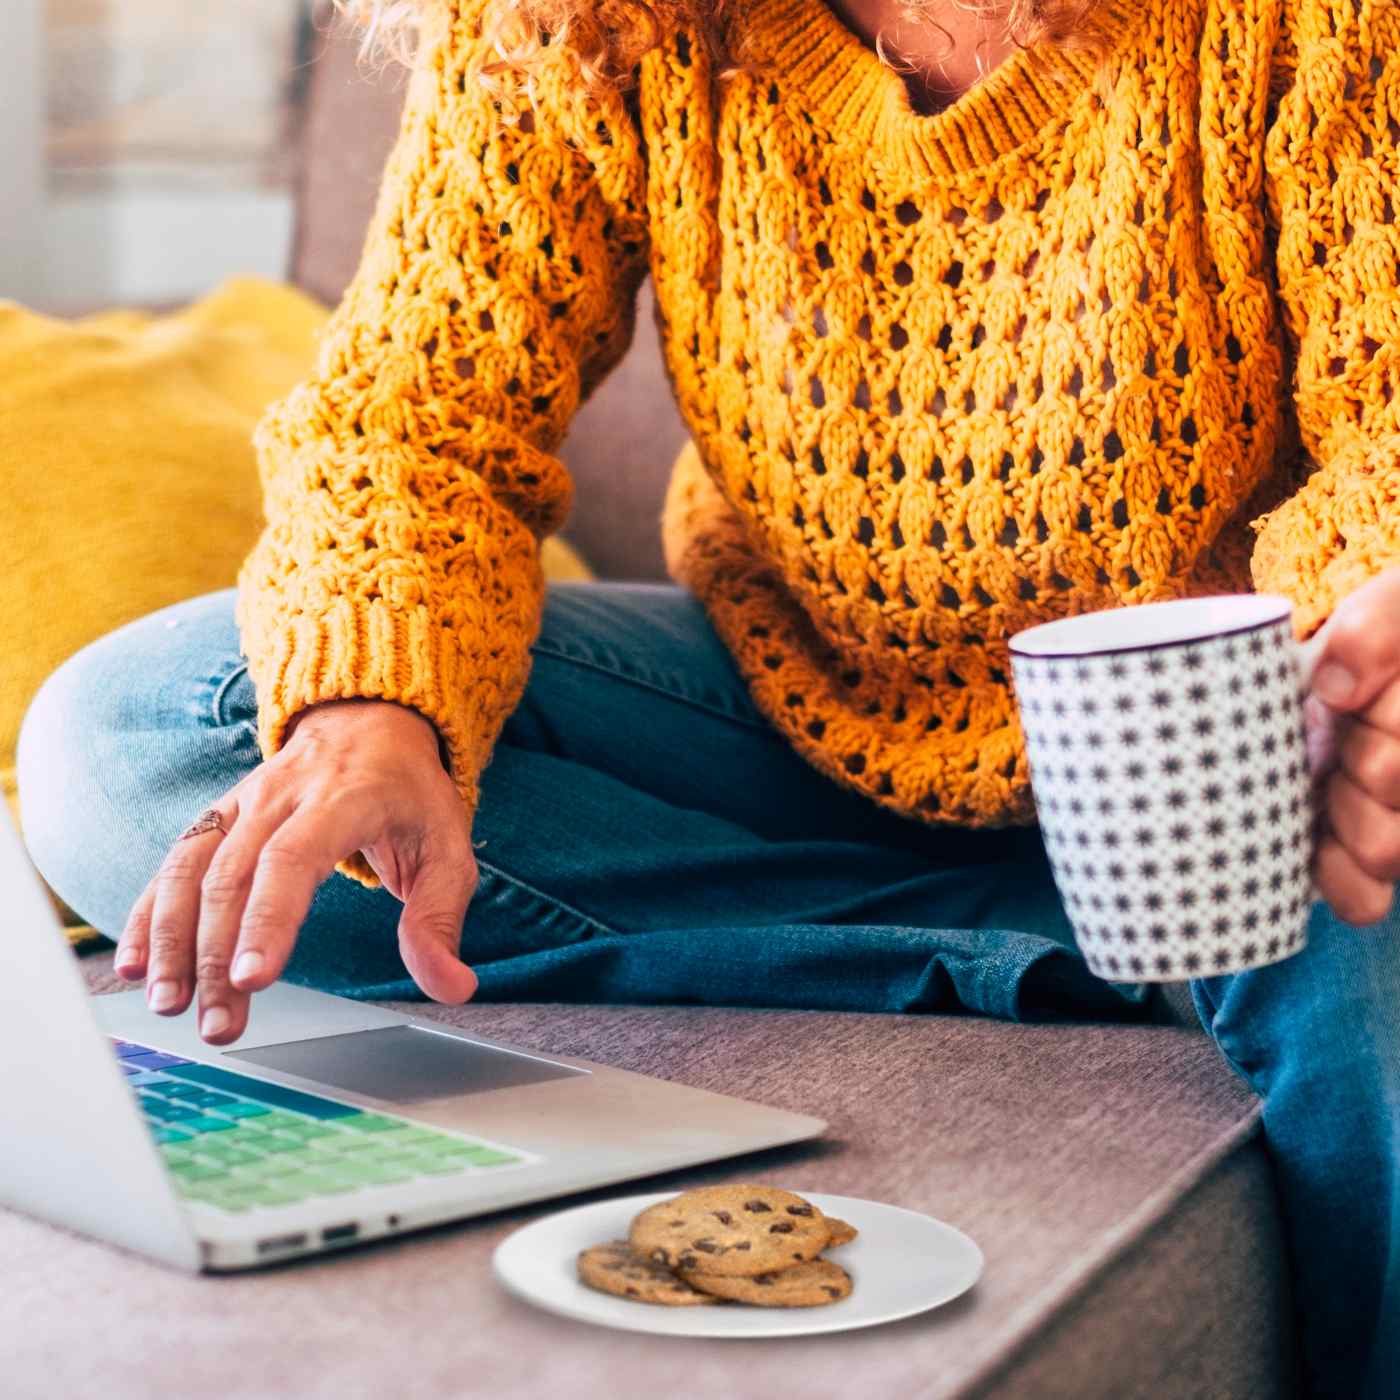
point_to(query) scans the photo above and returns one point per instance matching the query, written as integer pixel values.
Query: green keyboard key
(279, 1144)
(172, 1150)
(169, 1137)
(281, 1164)
(206, 1125)
(373, 1123)
(190, 1172)
(337, 1144)
(373, 1173)
(312, 1184)
(277, 1120)
(254, 1139)
(212, 1149)
(415, 1137)
(307, 1130)
(245, 1110)
(439, 1166)
(267, 1169)
(359, 1145)
(453, 1151)
(269, 1196)
(490, 1157)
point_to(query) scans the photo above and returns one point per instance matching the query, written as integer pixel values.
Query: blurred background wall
(148, 146)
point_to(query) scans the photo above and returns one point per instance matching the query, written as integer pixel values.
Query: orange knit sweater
(1050, 350)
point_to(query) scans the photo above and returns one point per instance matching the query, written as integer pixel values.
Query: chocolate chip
(706, 1246)
(687, 1261)
(723, 1216)
(757, 1207)
(800, 1210)
(742, 1246)
(659, 1256)
(781, 1227)
(834, 1292)
(764, 1280)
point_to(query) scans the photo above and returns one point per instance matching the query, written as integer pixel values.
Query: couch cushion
(623, 440)
(1096, 1165)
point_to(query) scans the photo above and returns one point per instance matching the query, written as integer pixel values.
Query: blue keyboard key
(153, 1059)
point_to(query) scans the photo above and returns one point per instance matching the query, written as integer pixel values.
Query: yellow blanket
(126, 471)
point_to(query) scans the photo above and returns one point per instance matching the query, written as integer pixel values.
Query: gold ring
(205, 821)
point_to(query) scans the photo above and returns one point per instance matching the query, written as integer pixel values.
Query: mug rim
(1281, 610)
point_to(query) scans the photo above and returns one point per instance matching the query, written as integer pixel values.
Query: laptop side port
(278, 1244)
(333, 1234)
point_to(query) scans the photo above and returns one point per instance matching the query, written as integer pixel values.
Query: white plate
(902, 1263)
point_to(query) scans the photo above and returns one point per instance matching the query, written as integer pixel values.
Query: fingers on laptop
(256, 896)
(224, 894)
(135, 941)
(171, 916)
(281, 882)
(436, 895)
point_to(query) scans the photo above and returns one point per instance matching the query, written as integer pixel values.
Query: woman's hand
(220, 916)
(1354, 739)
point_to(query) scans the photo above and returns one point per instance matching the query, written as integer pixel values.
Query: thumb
(1356, 655)
(430, 928)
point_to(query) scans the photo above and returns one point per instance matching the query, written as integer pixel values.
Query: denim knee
(1324, 1026)
(121, 742)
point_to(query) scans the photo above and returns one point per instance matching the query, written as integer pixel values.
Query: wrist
(356, 713)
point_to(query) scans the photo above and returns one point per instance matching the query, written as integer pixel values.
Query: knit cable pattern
(1050, 350)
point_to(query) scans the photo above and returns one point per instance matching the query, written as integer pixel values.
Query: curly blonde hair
(608, 37)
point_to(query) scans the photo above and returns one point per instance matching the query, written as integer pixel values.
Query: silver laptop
(328, 1123)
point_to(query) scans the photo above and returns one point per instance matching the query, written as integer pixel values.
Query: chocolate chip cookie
(614, 1268)
(731, 1231)
(807, 1285)
(841, 1232)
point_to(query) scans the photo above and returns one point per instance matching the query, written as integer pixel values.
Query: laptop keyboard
(235, 1142)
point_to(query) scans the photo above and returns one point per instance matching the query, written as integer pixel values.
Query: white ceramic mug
(1169, 764)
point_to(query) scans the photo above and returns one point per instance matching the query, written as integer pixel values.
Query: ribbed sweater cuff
(1336, 533)
(355, 648)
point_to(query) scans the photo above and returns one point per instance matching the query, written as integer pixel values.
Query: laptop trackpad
(405, 1064)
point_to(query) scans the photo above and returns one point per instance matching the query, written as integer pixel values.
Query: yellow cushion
(126, 469)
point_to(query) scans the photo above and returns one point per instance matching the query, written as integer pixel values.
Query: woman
(977, 319)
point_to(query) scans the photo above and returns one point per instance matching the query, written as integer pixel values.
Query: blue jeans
(643, 835)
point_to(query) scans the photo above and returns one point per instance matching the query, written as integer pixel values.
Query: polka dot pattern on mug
(1173, 793)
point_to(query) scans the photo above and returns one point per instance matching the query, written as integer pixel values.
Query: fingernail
(129, 967)
(1334, 683)
(247, 966)
(215, 1021)
(162, 995)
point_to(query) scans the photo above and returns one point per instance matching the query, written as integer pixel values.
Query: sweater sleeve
(1332, 175)
(408, 482)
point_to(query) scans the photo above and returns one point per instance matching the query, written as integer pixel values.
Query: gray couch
(1113, 1174)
